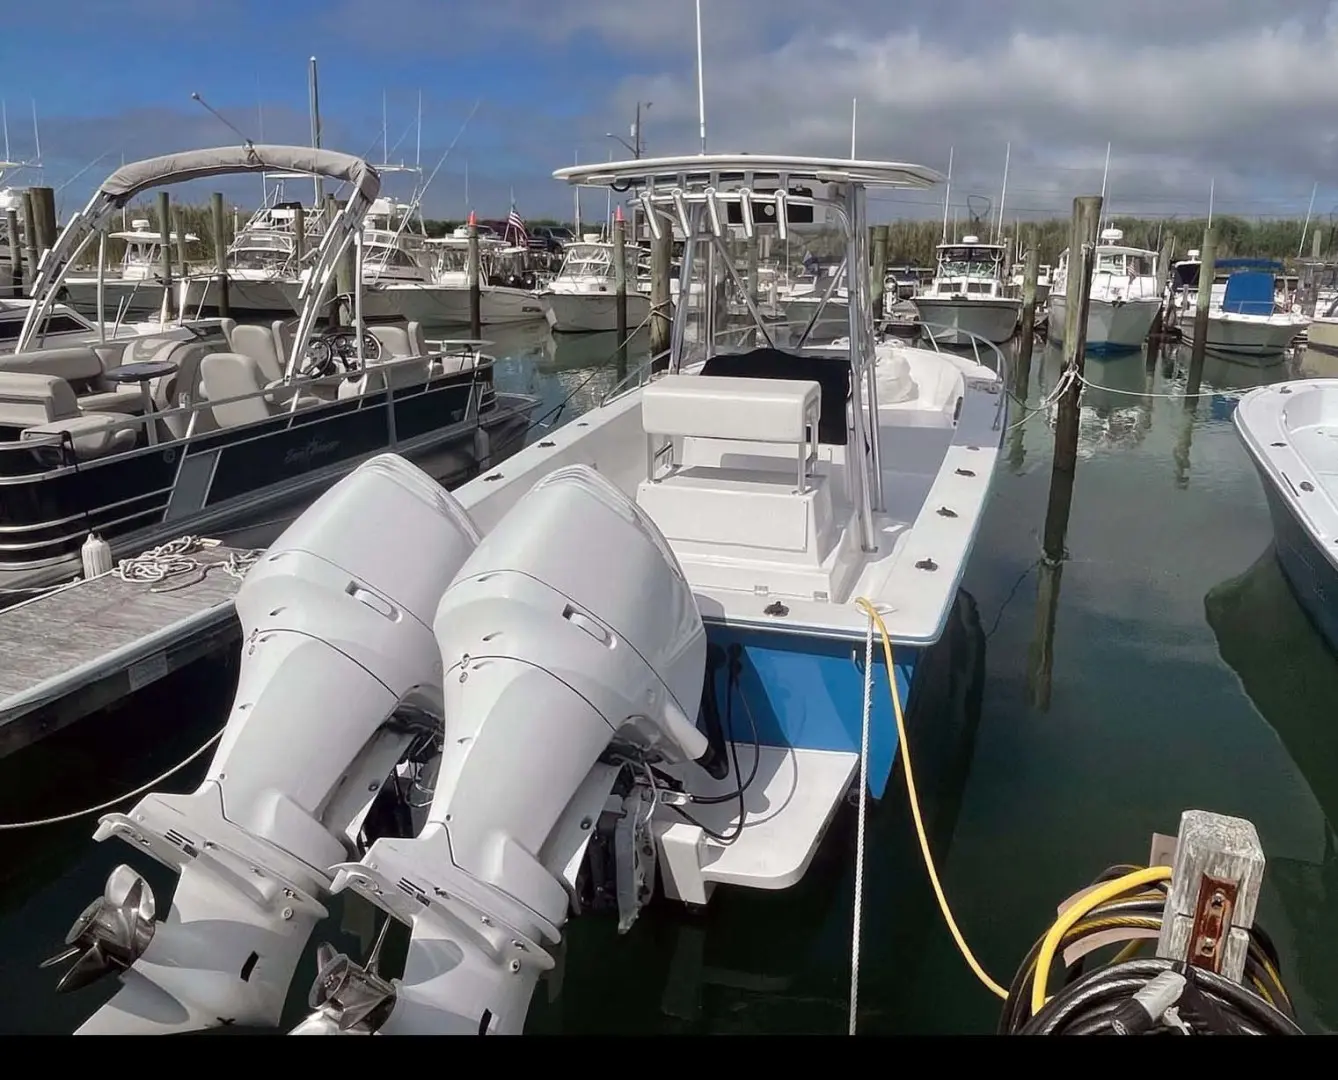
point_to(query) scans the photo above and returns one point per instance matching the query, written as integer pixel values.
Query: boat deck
(1318, 447)
(85, 646)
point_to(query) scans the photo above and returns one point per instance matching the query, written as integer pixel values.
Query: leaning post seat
(749, 410)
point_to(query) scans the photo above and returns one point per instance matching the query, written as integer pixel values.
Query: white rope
(859, 831)
(176, 557)
(120, 798)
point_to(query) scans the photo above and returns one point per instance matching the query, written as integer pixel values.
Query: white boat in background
(1290, 431)
(1019, 279)
(1124, 297)
(629, 662)
(966, 299)
(135, 288)
(582, 298)
(441, 296)
(1244, 316)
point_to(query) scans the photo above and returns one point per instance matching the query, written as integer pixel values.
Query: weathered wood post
(475, 281)
(299, 238)
(1207, 270)
(15, 253)
(44, 210)
(168, 310)
(31, 252)
(1082, 255)
(620, 289)
(661, 267)
(220, 253)
(1163, 277)
(878, 272)
(1027, 339)
(1215, 882)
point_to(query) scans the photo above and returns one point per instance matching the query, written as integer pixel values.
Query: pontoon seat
(417, 340)
(258, 343)
(282, 332)
(394, 341)
(453, 363)
(402, 373)
(81, 368)
(236, 375)
(781, 508)
(44, 406)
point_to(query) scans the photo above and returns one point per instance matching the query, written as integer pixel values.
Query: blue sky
(1231, 93)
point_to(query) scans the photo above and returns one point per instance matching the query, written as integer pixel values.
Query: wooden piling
(44, 211)
(15, 253)
(878, 272)
(620, 289)
(661, 267)
(1027, 340)
(1207, 269)
(299, 237)
(1163, 276)
(475, 282)
(168, 310)
(1316, 243)
(220, 253)
(1082, 255)
(31, 252)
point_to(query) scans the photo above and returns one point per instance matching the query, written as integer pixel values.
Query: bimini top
(711, 168)
(129, 180)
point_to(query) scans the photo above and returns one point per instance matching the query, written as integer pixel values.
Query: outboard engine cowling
(340, 674)
(569, 632)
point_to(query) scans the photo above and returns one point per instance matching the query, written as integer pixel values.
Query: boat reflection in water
(1292, 678)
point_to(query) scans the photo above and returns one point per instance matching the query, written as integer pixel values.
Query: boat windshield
(968, 261)
(594, 260)
(1108, 262)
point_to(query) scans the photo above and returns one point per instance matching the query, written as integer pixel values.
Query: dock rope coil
(177, 558)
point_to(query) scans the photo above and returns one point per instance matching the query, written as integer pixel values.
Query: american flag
(515, 225)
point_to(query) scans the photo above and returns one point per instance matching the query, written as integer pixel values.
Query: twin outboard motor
(515, 678)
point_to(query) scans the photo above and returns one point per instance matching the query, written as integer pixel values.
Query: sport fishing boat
(665, 643)
(966, 300)
(582, 298)
(1244, 316)
(1290, 431)
(1124, 296)
(137, 441)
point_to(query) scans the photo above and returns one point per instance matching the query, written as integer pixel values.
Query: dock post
(1316, 243)
(878, 272)
(620, 289)
(475, 281)
(299, 238)
(168, 310)
(44, 212)
(1082, 256)
(31, 253)
(15, 253)
(1215, 882)
(220, 253)
(661, 265)
(1158, 329)
(1207, 269)
(1027, 334)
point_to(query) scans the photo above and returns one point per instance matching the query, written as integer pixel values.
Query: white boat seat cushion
(30, 398)
(92, 436)
(236, 375)
(721, 407)
(257, 342)
(394, 341)
(82, 369)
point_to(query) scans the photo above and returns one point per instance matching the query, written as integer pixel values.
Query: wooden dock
(78, 649)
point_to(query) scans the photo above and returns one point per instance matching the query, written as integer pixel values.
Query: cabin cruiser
(136, 286)
(1245, 317)
(141, 440)
(1124, 297)
(582, 298)
(440, 297)
(636, 658)
(966, 299)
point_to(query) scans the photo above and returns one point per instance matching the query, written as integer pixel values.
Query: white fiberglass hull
(587, 312)
(1112, 325)
(959, 322)
(448, 305)
(1251, 335)
(246, 296)
(140, 296)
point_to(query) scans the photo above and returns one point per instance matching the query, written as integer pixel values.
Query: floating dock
(81, 647)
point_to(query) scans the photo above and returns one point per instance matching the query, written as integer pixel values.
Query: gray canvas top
(129, 180)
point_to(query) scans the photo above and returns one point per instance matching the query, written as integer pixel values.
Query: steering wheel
(336, 351)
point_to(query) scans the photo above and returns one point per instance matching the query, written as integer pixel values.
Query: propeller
(110, 934)
(350, 995)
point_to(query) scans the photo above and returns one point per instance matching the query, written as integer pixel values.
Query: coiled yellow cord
(980, 973)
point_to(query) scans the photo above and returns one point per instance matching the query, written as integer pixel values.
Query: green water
(1182, 675)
